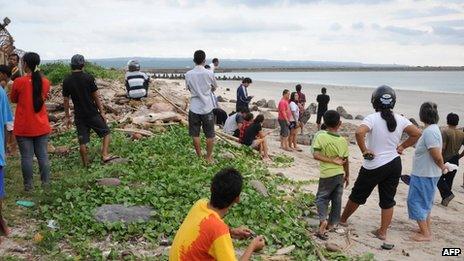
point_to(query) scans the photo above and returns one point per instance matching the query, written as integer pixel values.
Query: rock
(343, 113)
(348, 116)
(121, 101)
(330, 246)
(259, 186)
(228, 89)
(233, 101)
(136, 136)
(280, 174)
(254, 108)
(114, 213)
(304, 139)
(111, 182)
(359, 117)
(53, 106)
(261, 103)
(285, 250)
(271, 104)
(413, 121)
(270, 120)
(221, 99)
(62, 150)
(228, 155)
(312, 108)
(306, 116)
(313, 222)
(161, 107)
(51, 148)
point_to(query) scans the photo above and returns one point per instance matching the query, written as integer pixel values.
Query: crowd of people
(204, 235)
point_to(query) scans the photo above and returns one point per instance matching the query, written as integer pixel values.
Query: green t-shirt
(331, 145)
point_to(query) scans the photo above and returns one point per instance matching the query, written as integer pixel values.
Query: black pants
(445, 184)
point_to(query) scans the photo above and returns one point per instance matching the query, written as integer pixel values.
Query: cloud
(358, 26)
(448, 31)
(238, 25)
(335, 27)
(430, 12)
(404, 30)
(454, 23)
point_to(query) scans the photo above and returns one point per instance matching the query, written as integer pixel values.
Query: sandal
(110, 159)
(323, 237)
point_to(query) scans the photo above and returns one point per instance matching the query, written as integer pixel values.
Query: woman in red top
(31, 125)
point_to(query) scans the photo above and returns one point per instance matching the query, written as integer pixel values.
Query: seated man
(203, 235)
(234, 122)
(136, 81)
(255, 137)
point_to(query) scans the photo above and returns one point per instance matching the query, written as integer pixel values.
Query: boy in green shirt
(332, 151)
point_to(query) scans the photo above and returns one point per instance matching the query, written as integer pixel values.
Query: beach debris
(139, 131)
(306, 116)
(228, 89)
(161, 107)
(261, 103)
(110, 182)
(25, 203)
(38, 238)
(304, 139)
(404, 253)
(359, 117)
(285, 250)
(233, 101)
(387, 246)
(259, 186)
(221, 99)
(52, 224)
(333, 247)
(61, 150)
(271, 104)
(343, 113)
(117, 212)
(312, 108)
(270, 120)
(53, 106)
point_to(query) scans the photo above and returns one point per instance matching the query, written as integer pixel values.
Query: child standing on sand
(332, 151)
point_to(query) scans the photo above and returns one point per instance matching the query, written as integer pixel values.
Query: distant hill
(182, 63)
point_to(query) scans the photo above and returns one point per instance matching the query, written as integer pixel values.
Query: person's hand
(400, 149)
(258, 243)
(240, 233)
(338, 161)
(347, 181)
(369, 155)
(444, 169)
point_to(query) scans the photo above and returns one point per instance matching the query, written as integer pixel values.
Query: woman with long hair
(31, 125)
(294, 121)
(382, 162)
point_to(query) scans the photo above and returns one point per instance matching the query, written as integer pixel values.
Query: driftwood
(139, 131)
(171, 102)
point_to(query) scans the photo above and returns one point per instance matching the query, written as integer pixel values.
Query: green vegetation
(56, 72)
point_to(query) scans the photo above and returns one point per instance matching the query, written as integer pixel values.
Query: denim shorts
(420, 196)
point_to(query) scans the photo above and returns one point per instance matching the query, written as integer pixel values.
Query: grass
(57, 71)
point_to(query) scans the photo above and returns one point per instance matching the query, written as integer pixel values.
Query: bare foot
(287, 149)
(421, 238)
(209, 160)
(377, 234)
(298, 149)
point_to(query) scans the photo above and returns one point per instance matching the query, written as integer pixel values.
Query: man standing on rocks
(323, 101)
(88, 109)
(201, 83)
(243, 100)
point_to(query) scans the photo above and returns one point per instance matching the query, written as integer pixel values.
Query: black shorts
(319, 117)
(293, 125)
(386, 177)
(95, 123)
(198, 121)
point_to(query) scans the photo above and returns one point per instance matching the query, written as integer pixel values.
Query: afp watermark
(451, 251)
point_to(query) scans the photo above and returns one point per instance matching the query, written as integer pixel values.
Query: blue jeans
(330, 190)
(28, 146)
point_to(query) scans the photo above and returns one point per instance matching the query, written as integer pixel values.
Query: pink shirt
(284, 110)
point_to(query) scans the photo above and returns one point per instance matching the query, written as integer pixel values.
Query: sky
(409, 32)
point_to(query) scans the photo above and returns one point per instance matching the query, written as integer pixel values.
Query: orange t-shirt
(203, 236)
(27, 122)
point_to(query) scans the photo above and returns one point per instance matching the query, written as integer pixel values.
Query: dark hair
(323, 126)
(243, 110)
(77, 66)
(6, 70)
(207, 66)
(452, 119)
(428, 113)
(292, 97)
(389, 117)
(32, 60)
(259, 119)
(247, 80)
(331, 118)
(15, 55)
(225, 188)
(298, 87)
(324, 90)
(285, 92)
(199, 57)
(215, 60)
(248, 116)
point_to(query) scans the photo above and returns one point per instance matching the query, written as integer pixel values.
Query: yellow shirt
(331, 145)
(202, 236)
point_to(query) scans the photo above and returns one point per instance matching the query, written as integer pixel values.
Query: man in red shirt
(284, 119)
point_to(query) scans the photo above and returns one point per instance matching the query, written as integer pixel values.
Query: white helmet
(133, 65)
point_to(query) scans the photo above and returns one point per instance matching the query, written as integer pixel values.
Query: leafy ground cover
(57, 71)
(165, 174)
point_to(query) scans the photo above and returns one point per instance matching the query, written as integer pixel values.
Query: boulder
(161, 107)
(304, 139)
(343, 113)
(221, 99)
(117, 212)
(312, 108)
(271, 104)
(261, 103)
(348, 117)
(306, 116)
(259, 186)
(270, 120)
(333, 247)
(359, 117)
(254, 108)
(228, 89)
(111, 182)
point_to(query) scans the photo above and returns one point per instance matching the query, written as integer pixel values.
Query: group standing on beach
(203, 234)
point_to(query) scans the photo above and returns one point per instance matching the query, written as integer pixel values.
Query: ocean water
(436, 81)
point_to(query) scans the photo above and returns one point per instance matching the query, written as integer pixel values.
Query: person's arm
(437, 157)
(214, 85)
(96, 99)
(256, 244)
(337, 160)
(14, 95)
(241, 95)
(414, 134)
(361, 133)
(66, 111)
(346, 168)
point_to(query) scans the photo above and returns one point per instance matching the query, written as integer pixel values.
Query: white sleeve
(403, 122)
(369, 121)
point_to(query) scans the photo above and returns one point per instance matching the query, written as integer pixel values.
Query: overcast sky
(371, 31)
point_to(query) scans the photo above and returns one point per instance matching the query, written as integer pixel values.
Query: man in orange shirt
(284, 120)
(203, 235)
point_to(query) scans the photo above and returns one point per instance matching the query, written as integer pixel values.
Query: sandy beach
(447, 222)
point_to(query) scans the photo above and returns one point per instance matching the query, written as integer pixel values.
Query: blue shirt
(5, 117)
(424, 165)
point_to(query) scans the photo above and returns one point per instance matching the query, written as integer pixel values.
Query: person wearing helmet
(136, 81)
(88, 109)
(379, 139)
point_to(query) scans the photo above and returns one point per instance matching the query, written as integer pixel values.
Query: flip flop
(406, 179)
(323, 237)
(109, 159)
(376, 234)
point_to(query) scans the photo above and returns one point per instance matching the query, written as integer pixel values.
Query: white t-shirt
(212, 67)
(424, 165)
(136, 82)
(231, 124)
(381, 141)
(295, 111)
(200, 82)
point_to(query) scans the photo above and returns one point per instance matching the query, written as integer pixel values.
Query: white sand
(447, 223)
